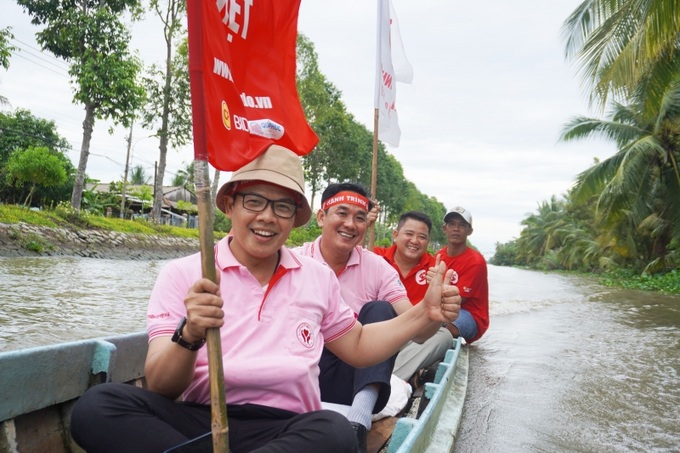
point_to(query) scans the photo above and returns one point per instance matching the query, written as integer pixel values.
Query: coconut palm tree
(185, 177)
(539, 236)
(638, 188)
(138, 176)
(621, 44)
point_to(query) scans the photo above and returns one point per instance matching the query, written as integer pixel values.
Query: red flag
(242, 68)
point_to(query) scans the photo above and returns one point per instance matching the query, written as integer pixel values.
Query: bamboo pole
(218, 405)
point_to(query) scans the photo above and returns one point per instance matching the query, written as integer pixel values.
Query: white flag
(392, 66)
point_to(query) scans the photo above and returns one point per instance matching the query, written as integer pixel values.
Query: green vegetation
(5, 47)
(344, 151)
(668, 283)
(6, 50)
(33, 167)
(21, 133)
(304, 234)
(167, 109)
(104, 72)
(115, 224)
(15, 214)
(621, 220)
(35, 243)
(64, 215)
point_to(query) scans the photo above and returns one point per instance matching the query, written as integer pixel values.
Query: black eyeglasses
(257, 203)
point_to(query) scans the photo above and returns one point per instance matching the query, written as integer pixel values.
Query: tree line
(624, 211)
(113, 84)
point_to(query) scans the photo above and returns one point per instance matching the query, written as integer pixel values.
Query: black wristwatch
(177, 337)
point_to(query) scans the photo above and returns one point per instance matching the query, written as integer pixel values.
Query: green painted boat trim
(36, 378)
(436, 429)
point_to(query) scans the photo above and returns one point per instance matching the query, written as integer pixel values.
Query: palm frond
(581, 127)
(614, 42)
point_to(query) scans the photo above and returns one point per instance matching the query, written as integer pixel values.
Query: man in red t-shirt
(469, 275)
(408, 255)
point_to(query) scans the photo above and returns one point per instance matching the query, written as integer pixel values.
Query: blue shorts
(466, 324)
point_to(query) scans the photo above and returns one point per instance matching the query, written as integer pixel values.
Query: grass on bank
(15, 214)
(64, 215)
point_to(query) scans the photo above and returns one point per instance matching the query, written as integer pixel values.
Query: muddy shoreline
(22, 239)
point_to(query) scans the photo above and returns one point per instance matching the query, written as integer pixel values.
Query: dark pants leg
(311, 432)
(123, 418)
(339, 381)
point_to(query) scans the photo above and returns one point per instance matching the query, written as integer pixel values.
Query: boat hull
(39, 386)
(435, 430)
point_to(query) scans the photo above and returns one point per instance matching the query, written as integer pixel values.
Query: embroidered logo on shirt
(304, 335)
(466, 289)
(421, 277)
(454, 278)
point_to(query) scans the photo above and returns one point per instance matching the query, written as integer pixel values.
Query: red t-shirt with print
(416, 280)
(470, 276)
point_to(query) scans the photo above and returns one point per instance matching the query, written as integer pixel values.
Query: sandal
(416, 380)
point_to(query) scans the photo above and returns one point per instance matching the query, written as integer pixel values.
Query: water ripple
(56, 299)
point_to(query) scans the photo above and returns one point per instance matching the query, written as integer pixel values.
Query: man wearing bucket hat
(469, 275)
(275, 310)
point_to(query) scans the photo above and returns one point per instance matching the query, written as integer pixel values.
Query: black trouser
(123, 418)
(339, 381)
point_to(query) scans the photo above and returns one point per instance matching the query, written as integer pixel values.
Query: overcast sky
(480, 122)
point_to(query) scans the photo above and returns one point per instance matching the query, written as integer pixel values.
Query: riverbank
(62, 232)
(23, 239)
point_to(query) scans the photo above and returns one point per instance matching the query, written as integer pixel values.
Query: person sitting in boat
(469, 275)
(372, 289)
(275, 310)
(409, 257)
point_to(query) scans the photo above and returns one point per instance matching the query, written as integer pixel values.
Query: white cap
(460, 211)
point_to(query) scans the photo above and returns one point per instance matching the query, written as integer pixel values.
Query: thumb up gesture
(442, 299)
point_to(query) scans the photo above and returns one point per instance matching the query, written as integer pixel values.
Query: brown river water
(566, 366)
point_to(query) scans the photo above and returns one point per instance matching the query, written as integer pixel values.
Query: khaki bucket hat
(279, 166)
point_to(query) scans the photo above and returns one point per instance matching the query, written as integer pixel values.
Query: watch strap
(177, 338)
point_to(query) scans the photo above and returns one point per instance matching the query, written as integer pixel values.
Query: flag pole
(374, 175)
(376, 119)
(218, 405)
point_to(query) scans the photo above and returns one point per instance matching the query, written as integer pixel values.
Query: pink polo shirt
(272, 337)
(367, 276)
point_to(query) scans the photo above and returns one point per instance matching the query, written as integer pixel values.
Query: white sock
(362, 406)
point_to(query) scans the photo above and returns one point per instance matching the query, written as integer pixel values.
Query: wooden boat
(38, 387)
(431, 424)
